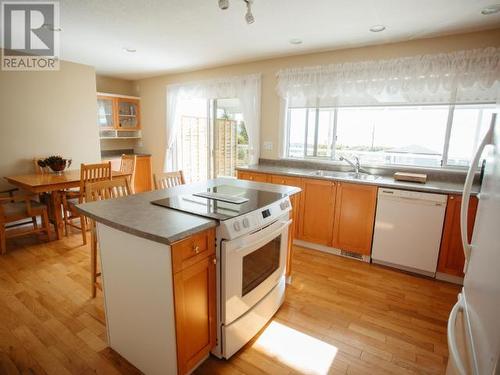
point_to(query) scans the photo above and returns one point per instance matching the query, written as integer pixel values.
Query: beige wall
(47, 113)
(117, 86)
(153, 90)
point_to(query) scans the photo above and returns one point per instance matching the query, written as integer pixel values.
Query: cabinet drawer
(193, 249)
(252, 176)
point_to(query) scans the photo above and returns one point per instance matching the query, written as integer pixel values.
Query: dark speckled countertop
(136, 215)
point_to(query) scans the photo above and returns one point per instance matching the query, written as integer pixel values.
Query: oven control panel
(252, 221)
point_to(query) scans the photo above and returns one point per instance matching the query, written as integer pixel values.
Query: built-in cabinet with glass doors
(118, 116)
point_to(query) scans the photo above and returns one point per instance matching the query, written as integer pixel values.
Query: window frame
(333, 159)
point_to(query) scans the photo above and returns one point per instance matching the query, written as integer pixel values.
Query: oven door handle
(260, 236)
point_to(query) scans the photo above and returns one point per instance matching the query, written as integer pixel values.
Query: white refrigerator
(474, 323)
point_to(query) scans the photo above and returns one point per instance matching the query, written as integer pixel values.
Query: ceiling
(179, 35)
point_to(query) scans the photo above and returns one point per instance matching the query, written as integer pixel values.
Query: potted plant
(56, 163)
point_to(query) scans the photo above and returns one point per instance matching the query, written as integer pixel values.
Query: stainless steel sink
(347, 175)
(362, 176)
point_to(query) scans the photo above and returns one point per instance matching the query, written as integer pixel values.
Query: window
(417, 135)
(212, 139)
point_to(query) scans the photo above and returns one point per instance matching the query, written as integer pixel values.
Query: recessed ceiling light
(295, 41)
(129, 50)
(492, 9)
(377, 28)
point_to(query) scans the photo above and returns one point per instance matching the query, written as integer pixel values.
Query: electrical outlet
(268, 145)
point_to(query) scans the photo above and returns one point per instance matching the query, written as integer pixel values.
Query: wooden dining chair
(169, 179)
(127, 165)
(88, 173)
(98, 191)
(14, 209)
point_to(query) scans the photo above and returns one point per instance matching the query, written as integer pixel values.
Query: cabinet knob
(196, 249)
(452, 197)
(215, 260)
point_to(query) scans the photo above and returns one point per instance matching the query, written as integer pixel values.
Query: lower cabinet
(195, 299)
(317, 211)
(451, 256)
(295, 199)
(355, 207)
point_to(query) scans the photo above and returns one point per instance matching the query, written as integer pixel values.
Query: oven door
(252, 266)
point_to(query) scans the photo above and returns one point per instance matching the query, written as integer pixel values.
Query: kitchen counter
(431, 186)
(136, 215)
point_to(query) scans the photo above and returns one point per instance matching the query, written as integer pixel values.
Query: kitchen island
(159, 269)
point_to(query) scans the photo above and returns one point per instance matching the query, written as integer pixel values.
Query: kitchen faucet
(356, 165)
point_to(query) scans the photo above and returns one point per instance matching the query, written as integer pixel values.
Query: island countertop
(136, 215)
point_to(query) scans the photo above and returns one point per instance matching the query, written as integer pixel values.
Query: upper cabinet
(128, 114)
(106, 112)
(118, 116)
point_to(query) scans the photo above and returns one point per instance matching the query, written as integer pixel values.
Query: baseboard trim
(329, 250)
(450, 278)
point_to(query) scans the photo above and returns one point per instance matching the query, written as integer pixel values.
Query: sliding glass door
(212, 139)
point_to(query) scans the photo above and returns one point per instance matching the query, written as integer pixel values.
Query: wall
(153, 90)
(117, 86)
(47, 113)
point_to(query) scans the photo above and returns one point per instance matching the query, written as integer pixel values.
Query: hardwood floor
(340, 316)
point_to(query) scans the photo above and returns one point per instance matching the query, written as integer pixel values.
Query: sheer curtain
(246, 88)
(462, 76)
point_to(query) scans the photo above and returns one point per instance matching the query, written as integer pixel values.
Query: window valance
(462, 76)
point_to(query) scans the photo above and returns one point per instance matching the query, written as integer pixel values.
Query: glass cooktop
(221, 202)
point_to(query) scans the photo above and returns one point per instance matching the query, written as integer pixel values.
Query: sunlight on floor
(297, 350)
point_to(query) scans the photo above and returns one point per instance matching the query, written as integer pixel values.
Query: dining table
(54, 185)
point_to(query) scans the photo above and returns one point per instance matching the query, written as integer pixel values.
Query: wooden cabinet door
(128, 114)
(317, 210)
(253, 176)
(106, 112)
(195, 313)
(354, 217)
(451, 255)
(143, 174)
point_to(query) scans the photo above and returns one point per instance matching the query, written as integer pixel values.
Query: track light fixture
(249, 17)
(223, 4)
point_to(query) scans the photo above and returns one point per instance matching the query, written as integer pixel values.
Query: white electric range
(252, 239)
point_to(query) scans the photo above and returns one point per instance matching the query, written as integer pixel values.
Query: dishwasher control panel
(413, 195)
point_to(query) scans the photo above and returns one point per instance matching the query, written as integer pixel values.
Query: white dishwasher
(408, 228)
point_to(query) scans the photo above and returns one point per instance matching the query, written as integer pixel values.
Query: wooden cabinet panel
(451, 255)
(317, 210)
(355, 206)
(193, 264)
(143, 174)
(195, 313)
(253, 176)
(292, 231)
